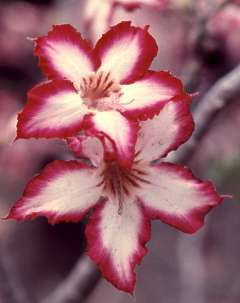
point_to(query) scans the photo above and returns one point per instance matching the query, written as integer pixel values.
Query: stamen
(100, 91)
(121, 183)
(127, 103)
(120, 203)
(118, 185)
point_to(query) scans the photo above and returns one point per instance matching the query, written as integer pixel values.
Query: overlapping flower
(104, 91)
(99, 13)
(121, 117)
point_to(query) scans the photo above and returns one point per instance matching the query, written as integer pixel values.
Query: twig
(6, 292)
(201, 44)
(192, 268)
(79, 283)
(190, 250)
(219, 96)
(11, 290)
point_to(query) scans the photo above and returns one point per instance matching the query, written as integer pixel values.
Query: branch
(217, 98)
(201, 46)
(79, 283)
(189, 252)
(11, 290)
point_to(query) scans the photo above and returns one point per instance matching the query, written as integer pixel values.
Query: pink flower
(99, 13)
(123, 200)
(225, 26)
(103, 91)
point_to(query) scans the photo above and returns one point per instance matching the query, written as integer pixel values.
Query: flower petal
(63, 54)
(54, 109)
(131, 4)
(126, 52)
(116, 242)
(63, 191)
(119, 130)
(173, 195)
(144, 98)
(97, 17)
(165, 132)
(87, 147)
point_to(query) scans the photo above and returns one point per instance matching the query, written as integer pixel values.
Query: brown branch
(189, 250)
(192, 278)
(216, 99)
(201, 45)
(78, 284)
(11, 290)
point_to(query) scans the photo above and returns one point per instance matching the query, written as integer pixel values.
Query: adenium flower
(98, 14)
(123, 200)
(225, 26)
(103, 91)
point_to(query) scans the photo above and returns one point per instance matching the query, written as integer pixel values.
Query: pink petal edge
(194, 219)
(99, 254)
(35, 187)
(38, 98)
(137, 38)
(69, 35)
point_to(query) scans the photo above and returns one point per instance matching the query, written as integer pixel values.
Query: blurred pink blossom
(99, 13)
(225, 26)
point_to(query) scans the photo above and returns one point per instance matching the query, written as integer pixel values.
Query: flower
(103, 91)
(224, 26)
(98, 14)
(123, 199)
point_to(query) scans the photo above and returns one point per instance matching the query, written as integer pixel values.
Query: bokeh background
(35, 257)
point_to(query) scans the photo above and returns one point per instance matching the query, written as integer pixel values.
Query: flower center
(99, 91)
(122, 183)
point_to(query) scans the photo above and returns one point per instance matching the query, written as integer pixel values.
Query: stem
(193, 71)
(216, 99)
(78, 284)
(190, 249)
(192, 267)
(11, 290)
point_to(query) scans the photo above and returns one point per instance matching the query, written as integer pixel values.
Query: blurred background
(199, 42)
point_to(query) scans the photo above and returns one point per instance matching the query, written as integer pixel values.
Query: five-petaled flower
(123, 199)
(98, 14)
(103, 91)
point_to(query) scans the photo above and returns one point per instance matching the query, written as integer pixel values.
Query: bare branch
(192, 268)
(201, 45)
(11, 290)
(76, 287)
(217, 98)
(190, 249)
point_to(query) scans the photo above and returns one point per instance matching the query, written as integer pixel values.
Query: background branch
(216, 99)
(78, 284)
(11, 290)
(202, 44)
(189, 249)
